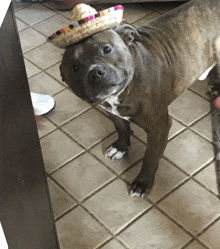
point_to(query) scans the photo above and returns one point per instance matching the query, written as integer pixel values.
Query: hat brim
(78, 31)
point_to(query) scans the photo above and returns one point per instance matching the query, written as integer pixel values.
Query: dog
(135, 73)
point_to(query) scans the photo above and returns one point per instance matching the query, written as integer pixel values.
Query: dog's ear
(128, 34)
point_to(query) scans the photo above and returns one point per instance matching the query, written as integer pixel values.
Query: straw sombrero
(86, 21)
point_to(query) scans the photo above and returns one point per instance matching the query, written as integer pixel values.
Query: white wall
(4, 4)
(3, 243)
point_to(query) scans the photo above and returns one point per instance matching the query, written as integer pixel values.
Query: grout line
(197, 240)
(186, 245)
(63, 188)
(183, 182)
(160, 210)
(189, 127)
(24, 7)
(84, 148)
(202, 168)
(133, 23)
(175, 222)
(209, 190)
(175, 165)
(109, 240)
(134, 220)
(201, 135)
(208, 226)
(200, 95)
(190, 176)
(60, 126)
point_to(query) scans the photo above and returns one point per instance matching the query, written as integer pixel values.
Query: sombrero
(86, 21)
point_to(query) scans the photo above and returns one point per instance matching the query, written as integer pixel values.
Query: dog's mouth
(112, 90)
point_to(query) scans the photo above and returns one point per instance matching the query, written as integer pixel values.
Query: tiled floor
(89, 192)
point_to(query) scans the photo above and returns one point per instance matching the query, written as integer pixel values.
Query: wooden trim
(25, 210)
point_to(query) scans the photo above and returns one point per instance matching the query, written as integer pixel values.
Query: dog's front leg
(157, 138)
(120, 147)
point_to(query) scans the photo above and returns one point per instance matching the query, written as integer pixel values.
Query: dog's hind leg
(120, 147)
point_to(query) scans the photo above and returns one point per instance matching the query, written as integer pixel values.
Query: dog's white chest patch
(113, 104)
(205, 74)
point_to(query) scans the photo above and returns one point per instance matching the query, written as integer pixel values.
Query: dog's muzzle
(96, 75)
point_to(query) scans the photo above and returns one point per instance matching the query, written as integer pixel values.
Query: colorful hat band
(82, 21)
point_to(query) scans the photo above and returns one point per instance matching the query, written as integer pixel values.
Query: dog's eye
(107, 50)
(75, 68)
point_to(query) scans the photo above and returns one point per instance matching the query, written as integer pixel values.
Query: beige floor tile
(54, 71)
(175, 129)
(79, 230)
(189, 107)
(89, 128)
(167, 178)
(57, 149)
(154, 230)
(201, 88)
(19, 6)
(164, 7)
(195, 245)
(50, 4)
(31, 69)
(113, 244)
(134, 12)
(211, 237)
(135, 153)
(189, 151)
(204, 127)
(130, 175)
(67, 14)
(60, 200)
(147, 19)
(114, 207)
(44, 84)
(156, 6)
(28, 43)
(34, 13)
(82, 176)
(192, 206)
(21, 25)
(48, 51)
(45, 126)
(68, 105)
(52, 24)
(208, 177)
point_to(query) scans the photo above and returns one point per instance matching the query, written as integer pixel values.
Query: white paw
(113, 153)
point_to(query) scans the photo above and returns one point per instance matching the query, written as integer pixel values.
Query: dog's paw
(139, 191)
(140, 188)
(114, 153)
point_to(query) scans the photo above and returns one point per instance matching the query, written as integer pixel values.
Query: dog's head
(101, 65)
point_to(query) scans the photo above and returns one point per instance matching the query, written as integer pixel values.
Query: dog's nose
(96, 74)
